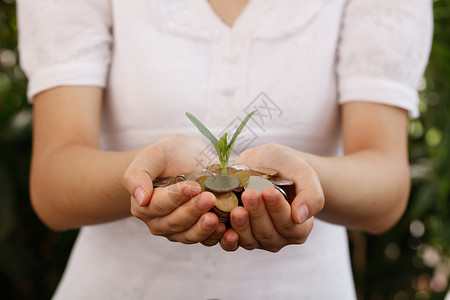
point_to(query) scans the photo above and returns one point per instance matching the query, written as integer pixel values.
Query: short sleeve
(383, 51)
(64, 42)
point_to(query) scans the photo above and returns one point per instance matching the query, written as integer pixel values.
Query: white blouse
(294, 61)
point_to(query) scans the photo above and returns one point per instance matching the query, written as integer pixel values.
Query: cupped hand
(267, 221)
(180, 211)
(173, 155)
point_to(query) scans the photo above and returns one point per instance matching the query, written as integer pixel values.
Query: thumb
(138, 178)
(139, 184)
(309, 199)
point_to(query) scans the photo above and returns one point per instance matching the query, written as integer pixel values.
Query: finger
(139, 184)
(300, 232)
(214, 238)
(240, 222)
(184, 217)
(309, 199)
(229, 240)
(279, 211)
(261, 223)
(201, 230)
(166, 200)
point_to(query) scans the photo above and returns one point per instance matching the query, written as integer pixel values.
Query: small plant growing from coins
(223, 148)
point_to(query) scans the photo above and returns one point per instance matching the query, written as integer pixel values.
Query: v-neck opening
(230, 17)
(245, 21)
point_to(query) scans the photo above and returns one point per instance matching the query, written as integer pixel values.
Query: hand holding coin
(309, 197)
(179, 212)
(266, 220)
(170, 156)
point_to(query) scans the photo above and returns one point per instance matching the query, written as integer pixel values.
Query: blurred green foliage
(32, 258)
(411, 261)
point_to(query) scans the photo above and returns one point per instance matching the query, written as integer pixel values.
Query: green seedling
(222, 146)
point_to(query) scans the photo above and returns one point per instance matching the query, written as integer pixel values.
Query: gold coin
(243, 177)
(214, 168)
(162, 182)
(265, 171)
(201, 181)
(194, 175)
(224, 217)
(239, 189)
(178, 178)
(225, 202)
(219, 171)
(231, 171)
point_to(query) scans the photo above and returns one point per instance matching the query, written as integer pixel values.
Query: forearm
(365, 190)
(75, 185)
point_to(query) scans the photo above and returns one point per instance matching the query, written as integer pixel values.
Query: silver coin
(221, 183)
(258, 184)
(282, 192)
(240, 167)
(280, 181)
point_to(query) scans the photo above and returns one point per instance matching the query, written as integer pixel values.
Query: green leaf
(228, 153)
(217, 150)
(202, 128)
(223, 149)
(223, 143)
(239, 130)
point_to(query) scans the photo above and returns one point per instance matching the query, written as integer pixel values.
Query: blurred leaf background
(411, 261)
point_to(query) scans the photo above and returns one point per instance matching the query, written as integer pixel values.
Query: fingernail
(251, 202)
(229, 240)
(207, 225)
(303, 213)
(139, 195)
(240, 220)
(192, 190)
(203, 203)
(270, 199)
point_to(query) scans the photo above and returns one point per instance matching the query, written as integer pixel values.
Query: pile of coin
(228, 187)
